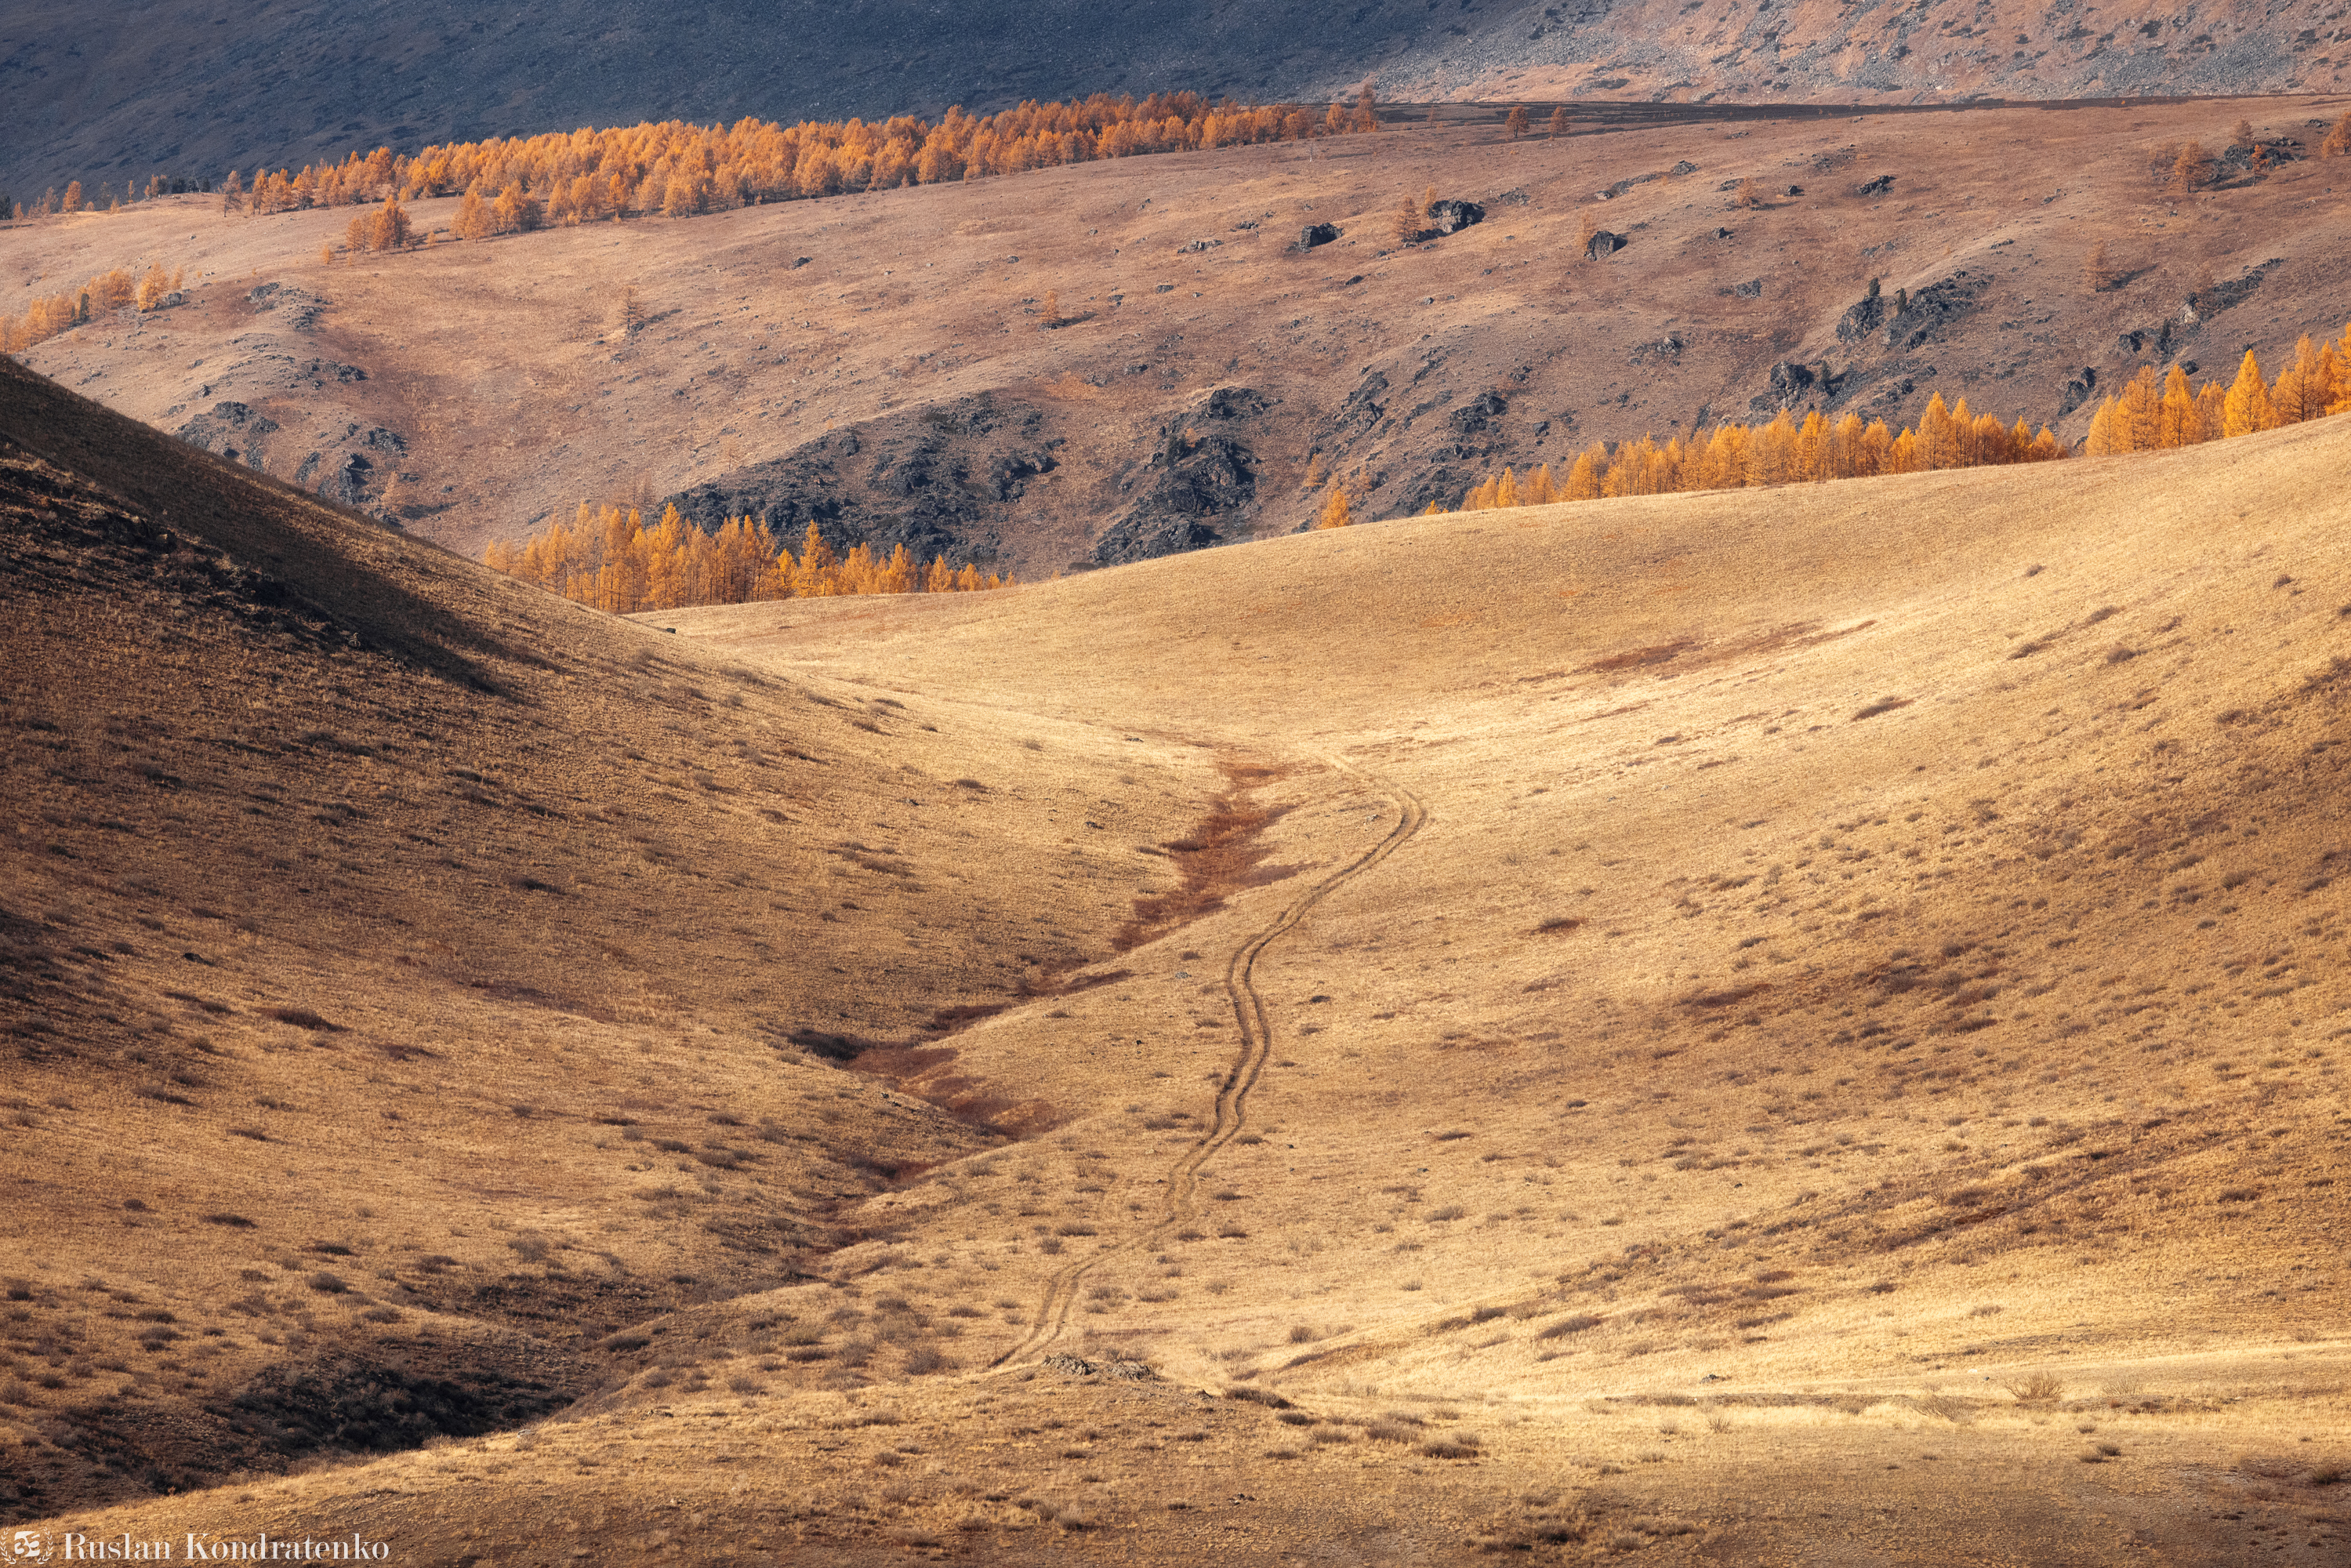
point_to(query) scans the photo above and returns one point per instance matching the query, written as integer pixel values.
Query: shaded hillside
(286, 83)
(469, 971)
(282, 83)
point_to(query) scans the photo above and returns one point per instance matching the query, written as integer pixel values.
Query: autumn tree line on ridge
(1737, 456)
(2145, 417)
(676, 169)
(73, 200)
(609, 560)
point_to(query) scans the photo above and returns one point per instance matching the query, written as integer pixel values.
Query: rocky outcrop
(942, 481)
(232, 429)
(1313, 235)
(1604, 244)
(1476, 416)
(301, 309)
(1866, 316)
(1362, 411)
(1201, 488)
(1934, 308)
(1792, 383)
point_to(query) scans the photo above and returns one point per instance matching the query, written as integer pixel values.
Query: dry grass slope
(1842, 1044)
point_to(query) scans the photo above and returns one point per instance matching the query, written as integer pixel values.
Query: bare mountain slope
(1938, 50)
(903, 385)
(1741, 1028)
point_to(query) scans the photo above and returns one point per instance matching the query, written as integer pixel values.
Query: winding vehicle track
(1232, 1096)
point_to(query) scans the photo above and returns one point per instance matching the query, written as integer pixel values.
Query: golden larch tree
(2247, 411)
(2097, 271)
(2191, 170)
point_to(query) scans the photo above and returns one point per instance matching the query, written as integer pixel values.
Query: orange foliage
(2151, 418)
(676, 170)
(608, 559)
(107, 292)
(1735, 456)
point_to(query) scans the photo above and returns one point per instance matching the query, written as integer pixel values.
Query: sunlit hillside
(1724, 1027)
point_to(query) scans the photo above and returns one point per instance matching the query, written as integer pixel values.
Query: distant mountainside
(1923, 50)
(195, 90)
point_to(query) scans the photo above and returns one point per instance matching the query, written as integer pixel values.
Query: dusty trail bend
(1232, 1096)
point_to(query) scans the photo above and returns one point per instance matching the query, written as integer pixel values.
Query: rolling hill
(1725, 1026)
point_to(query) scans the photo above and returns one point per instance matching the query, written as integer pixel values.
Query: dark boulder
(1313, 235)
(1233, 403)
(1450, 216)
(1604, 243)
(1876, 187)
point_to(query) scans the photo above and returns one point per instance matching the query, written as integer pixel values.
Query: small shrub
(330, 1284)
(1264, 1397)
(301, 1018)
(1459, 1445)
(2038, 1388)
(1574, 1323)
